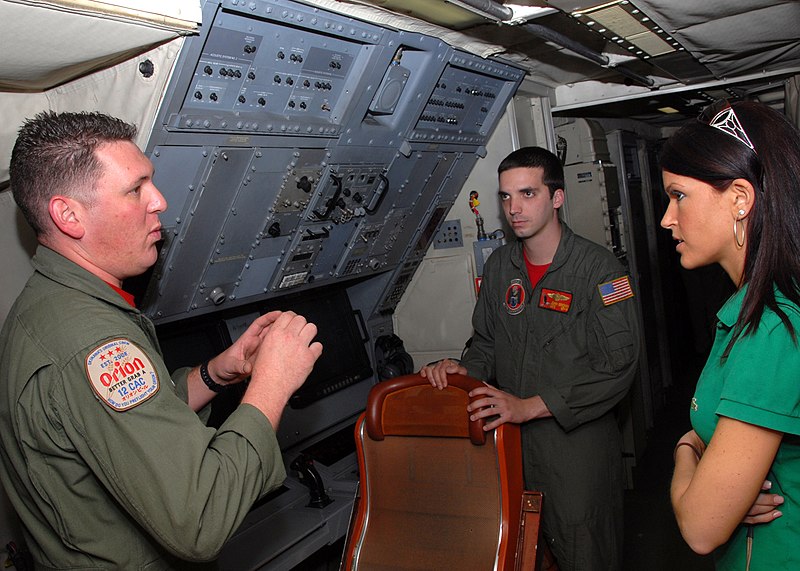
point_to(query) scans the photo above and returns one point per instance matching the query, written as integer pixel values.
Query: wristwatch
(211, 383)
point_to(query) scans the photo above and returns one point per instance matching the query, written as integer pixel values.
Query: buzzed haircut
(55, 154)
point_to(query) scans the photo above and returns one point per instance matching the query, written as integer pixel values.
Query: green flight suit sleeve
(189, 486)
(596, 382)
(479, 358)
(181, 379)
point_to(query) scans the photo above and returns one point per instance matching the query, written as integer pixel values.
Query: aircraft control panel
(308, 160)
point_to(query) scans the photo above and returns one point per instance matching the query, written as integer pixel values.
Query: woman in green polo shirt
(733, 182)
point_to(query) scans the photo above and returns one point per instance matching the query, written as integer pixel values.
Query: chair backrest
(436, 490)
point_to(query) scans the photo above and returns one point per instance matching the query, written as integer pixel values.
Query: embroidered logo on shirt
(515, 298)
(121, 374)
(616, 290)
(556, 300)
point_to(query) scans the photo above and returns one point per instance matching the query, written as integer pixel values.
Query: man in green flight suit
(555, 331)
(104, 457)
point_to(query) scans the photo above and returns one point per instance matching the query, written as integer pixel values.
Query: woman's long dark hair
(773, 226)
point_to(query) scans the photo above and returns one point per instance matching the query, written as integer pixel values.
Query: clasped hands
(499, 406)
(764, 507)
(280, 341)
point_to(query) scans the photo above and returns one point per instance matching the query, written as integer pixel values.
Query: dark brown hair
(773, 226)
(536, 157)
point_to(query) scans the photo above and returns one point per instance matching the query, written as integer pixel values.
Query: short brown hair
(55, 154)
(536, 157)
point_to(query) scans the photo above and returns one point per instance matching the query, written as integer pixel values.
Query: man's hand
(282, 363)
(764, 509)
(437, 373)
(236, 363)
(505, 407)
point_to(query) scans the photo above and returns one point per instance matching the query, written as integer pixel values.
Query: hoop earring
(739, 243)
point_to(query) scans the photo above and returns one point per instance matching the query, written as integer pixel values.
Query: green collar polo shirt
(758, 383)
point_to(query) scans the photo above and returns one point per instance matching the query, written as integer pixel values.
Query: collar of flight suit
(61, 270)
(561, 255)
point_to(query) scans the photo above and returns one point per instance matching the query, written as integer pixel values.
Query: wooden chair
(436, 491)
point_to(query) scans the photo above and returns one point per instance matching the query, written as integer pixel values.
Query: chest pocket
(564, 331)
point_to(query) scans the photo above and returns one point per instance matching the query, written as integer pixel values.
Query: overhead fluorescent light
(618, 21)
(650, 43)
(596, 7)
(626, 25)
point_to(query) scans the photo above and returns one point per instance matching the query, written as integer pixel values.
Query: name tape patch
(121, 374)
(555, 300)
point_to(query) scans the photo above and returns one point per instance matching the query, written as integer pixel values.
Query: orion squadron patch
(121, 374)
(515, 297)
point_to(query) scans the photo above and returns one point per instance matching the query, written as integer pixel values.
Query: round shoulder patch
(514, 301)
(121, 374)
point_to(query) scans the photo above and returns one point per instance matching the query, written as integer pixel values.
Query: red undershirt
(125, 295)
(535, 272)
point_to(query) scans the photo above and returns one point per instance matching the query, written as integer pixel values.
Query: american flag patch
(616, 290)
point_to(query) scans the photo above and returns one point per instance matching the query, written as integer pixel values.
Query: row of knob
(235, 73)
(443, 103)
(439, 119)
(262, 101)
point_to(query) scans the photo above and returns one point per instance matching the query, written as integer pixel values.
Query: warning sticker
(121, 374)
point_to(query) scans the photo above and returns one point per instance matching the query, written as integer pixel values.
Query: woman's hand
(764, 509)
(691, 441)
(713, 496)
